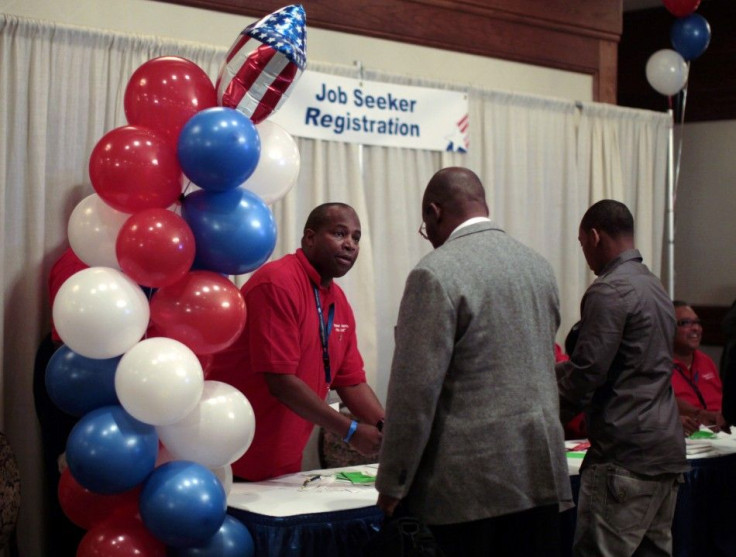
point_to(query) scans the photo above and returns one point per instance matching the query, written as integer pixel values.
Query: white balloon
(278, 165)
(225, 475)
(100, 312)
(217, 432)
(93, 229)
(667, 71)
(159, 381)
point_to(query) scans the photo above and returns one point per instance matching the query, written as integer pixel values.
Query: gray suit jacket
(472, 419)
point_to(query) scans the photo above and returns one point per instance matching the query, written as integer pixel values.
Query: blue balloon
(183, 503)
(109, 451)
(232, 540)
(77, 384)
(690, 36)
(234, 231)
(219, 148)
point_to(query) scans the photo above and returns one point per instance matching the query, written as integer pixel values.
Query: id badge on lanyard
(324, 332)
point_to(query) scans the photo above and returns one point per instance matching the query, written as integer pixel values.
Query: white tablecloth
(721, 444)
(287, 496)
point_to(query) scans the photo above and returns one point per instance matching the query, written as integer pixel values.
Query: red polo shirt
(575, 428)
(281, 335)
(704, 375)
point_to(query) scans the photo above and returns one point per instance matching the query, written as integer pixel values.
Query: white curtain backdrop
(543, 162)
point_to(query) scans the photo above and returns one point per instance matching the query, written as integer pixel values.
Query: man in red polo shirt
(695, 378)
(298, 343)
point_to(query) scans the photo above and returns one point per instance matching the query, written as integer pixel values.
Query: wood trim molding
(577, 35)
(568, 17)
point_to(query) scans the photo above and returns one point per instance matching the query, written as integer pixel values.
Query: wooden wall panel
(574, 35)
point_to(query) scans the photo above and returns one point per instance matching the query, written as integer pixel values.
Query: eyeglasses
(423, 231)
(689, 322)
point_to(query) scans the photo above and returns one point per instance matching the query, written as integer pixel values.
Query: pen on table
(310, 480)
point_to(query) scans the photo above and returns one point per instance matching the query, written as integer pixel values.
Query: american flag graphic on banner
(460, 141)
(264, 63)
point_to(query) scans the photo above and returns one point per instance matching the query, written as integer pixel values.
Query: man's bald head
(459, 190)
(453, 195)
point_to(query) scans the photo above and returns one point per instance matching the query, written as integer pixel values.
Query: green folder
(356, 477)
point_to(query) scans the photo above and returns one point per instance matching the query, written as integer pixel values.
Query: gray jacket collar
(472, 229)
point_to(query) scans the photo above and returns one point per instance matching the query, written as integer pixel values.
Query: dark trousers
(62, 537)
(531, 533)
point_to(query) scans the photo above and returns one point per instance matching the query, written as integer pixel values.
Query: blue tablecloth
(331, 534)
(705, 517)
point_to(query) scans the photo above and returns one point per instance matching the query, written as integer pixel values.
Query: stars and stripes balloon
(264, 63)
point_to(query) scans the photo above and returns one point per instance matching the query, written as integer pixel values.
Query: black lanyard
(693, 383)
(324, 331)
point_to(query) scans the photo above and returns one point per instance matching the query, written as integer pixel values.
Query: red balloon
(86, 509)
(133, 168)
(681, 8)
(203, 310)
(120, 536)
(155, 247)
(165, 92)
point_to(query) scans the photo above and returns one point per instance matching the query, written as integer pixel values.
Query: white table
(287, 496)
(332, 518)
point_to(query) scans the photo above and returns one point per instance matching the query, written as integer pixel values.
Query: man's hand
(387, 504)
(689, 425)
(714, 421)
(722, 424)
(366, 440)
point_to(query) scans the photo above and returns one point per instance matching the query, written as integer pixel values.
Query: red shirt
(281, 335)
(575, 428)
(704, 375)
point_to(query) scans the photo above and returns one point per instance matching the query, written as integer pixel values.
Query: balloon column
(667, 69)
(149, 459)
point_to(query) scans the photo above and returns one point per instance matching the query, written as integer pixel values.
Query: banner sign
(324, 106)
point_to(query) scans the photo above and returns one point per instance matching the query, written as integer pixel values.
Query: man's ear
(595, 236)
(308, 237)
(436, 211)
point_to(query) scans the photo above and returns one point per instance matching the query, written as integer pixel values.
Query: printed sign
(334, 108)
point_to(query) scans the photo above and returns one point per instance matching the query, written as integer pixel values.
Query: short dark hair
(609, 216)
(318, 217)
(680, 303)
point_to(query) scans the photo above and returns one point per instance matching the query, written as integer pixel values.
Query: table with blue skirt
(333, 517)
(327, 517)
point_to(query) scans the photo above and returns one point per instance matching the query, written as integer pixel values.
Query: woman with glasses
(695, 378)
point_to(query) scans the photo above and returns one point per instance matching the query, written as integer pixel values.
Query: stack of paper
(697, 447)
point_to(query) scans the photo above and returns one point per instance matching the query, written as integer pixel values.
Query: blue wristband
(351, 431)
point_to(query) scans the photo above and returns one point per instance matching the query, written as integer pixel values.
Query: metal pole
(670, 208)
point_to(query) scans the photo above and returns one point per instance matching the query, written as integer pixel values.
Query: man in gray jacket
(472, 441)
(619, 374)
